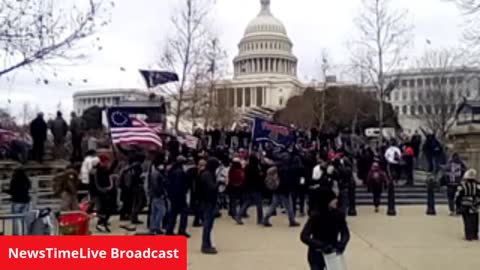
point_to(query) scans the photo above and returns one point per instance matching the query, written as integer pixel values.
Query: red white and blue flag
(128, 130)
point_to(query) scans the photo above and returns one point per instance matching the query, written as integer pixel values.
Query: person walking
(254, 185)
(105, 192)
(177, 189)
(236, 181)
(208, 193)
(77, 132)
(377, 179)
(38, 131)
(19, 189)
(467, 199)
(393, 157)
(326, 231)
(157, 191)
(282, 195)
(453, 176)
(59, 129)
(409, 157)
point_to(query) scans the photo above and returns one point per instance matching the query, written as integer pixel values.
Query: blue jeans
(19, 208)
(255, 198)
(278, 199)
(158, 211)
(209, 211)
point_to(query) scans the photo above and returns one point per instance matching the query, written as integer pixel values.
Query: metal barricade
(13, 220)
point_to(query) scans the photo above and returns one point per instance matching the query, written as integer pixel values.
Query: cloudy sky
(134, 38)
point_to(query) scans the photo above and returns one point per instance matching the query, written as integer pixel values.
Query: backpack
(272, 181)
(236, 177)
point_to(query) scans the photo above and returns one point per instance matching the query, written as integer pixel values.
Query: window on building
(248, 98)
(395, 96)
(404, 109)
(420, 95)
(420, 109)
(280, 101)
(428, 82)
(404, 83)
(397, 109)
(222, 97)
(239, 97)
(412, 83)
(404, 95)
(451, 95)
(459, 80)
(451, 80)
(259, 96)
(412, 110)
(444, 80)
(436, 80)
(438, 109)
(412, 95)
(420, 82)
(428, 109)
(467, 93)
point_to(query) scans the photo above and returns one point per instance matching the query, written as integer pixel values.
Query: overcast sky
(134, 39)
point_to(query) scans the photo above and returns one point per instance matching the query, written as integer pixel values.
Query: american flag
(126, 129)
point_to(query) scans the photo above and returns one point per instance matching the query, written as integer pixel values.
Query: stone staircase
(404, 195)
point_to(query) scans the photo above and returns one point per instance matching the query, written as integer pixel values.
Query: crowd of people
(315, 176)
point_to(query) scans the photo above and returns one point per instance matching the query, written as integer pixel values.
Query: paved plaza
(410, 241)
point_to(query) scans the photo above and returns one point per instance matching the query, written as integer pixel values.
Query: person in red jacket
(376, 181)
(408, 157)
(236, 181)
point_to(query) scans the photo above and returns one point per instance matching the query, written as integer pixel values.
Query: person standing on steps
(326, 230)
(467, 199)
(59, 129)
(38, 131)
(77, 132)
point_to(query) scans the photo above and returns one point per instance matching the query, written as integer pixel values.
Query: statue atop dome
(265, 6)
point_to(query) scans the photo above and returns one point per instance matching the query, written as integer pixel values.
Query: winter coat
(20, 186)
(208, 189)
(254, 177)
(59, 128)
(156, 183)
(377, 179)
(177, 185)
(236, 176)
(38, 129)
(77, 127)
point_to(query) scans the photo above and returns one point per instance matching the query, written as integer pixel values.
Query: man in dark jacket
(254, 184)
(177, 189)
(208, 193)
(38, 130)
(59, 129)
(157, 183)
(282, 195)
(77, 130)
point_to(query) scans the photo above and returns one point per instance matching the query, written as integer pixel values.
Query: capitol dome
(265, 47)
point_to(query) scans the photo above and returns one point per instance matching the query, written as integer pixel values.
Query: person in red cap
(105, 195)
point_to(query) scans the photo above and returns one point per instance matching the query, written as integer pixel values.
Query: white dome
(265, 47)
(265, 22)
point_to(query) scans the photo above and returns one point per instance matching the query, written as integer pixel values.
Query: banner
(93, 252)
(154, 78)
(266, 131)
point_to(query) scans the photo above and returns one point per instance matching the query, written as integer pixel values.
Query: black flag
(154, 78)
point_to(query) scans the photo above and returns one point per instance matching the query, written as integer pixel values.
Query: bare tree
(184, 48)
(384, 34)
(40, 31)
(436, 103)
(27, 113)
(470, 10)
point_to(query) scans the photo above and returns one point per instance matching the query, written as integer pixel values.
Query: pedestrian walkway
(410, 241)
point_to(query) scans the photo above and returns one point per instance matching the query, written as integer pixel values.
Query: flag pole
(114, 147)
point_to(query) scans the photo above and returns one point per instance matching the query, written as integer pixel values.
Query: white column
(243, 99)
(234, 97)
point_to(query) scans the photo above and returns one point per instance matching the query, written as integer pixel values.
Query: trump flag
(266, 131)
